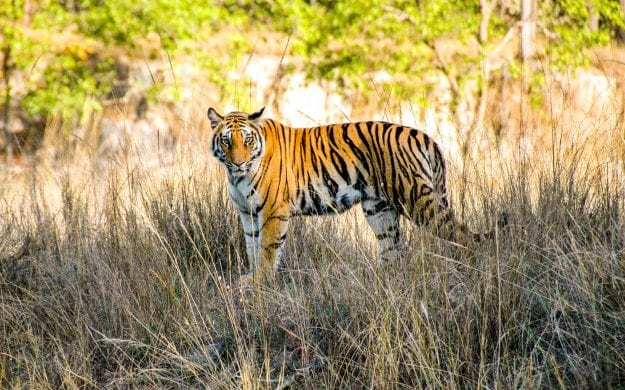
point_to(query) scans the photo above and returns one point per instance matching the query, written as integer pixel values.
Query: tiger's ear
(256, 115)
(214, 117)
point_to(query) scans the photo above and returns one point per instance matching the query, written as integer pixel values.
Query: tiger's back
(336, 166)
(389, 169)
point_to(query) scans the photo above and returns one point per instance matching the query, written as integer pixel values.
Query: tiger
(276, 172)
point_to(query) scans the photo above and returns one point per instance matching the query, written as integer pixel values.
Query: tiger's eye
(225, 142)
(249, 139)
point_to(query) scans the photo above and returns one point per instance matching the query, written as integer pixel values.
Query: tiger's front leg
(251, 231)
(273, 227)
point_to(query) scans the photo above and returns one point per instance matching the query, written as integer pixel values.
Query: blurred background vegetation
(60, 59)
(119, 245)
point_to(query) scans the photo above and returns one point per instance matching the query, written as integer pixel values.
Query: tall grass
(110, 281)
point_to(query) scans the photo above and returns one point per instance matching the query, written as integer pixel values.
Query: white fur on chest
(243, 195)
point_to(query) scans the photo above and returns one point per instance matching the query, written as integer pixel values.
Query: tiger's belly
(325, 201)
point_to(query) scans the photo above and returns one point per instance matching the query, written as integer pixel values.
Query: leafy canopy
(66, 49)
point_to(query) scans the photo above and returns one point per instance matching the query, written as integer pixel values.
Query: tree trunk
(621, 32)
(593, 17)
(528, 28)
(486, 9)
(6, 105)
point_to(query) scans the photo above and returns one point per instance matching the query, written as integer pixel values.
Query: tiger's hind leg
(384, 221)
(432, 210)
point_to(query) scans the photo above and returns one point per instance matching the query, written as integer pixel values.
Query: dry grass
(119, 279)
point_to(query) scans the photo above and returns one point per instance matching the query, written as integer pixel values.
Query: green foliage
(342, 43)
(55, 43)
(11, 35)
(173, 21)
(61, 73)
(567, 23)
(69, 84)
(348, 42)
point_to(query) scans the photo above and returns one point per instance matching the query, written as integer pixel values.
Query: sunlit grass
(121, 277)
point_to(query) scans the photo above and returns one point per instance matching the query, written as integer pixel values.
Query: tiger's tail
(502, 223)
(448, 226)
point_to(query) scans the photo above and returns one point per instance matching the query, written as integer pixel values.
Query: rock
(130, 132)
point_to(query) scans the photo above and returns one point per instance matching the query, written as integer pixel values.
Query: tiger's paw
(250, 285)
(246, 282)
(242, 289)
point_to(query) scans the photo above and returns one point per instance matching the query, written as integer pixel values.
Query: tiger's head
(237, 140)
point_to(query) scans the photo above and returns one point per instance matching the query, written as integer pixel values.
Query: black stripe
(383, 236)
(283, 218)
(238, 180)
(315, 198)
(328, 182)
(376, 209)
(374, 148)
(386, 250)
(419, 161)
(428, 202)
(274, 245)
(261, 205)
(444, 201)
(341, 167)
(426, 140)
(361, 183)
(388, 131)
(425, 190)
(360, 155)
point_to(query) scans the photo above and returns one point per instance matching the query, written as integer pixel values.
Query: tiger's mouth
(239, 170)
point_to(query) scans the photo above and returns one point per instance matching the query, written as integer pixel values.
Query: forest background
(118, 245)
